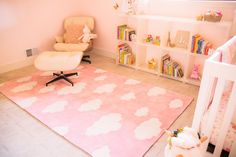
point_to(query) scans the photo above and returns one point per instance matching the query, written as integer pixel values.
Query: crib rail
(217, 72)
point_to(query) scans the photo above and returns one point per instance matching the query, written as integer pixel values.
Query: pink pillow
(73, 32)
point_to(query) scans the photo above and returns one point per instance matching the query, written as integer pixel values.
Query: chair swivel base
(62, 76)
(85, 59)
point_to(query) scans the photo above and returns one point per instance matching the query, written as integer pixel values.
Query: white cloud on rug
(90, 105)
(99, 71)
(24, 79)
(24, 87)
(128, 96)
(55, 107)
(177, 103)
(62, 130)
(148, 129)
(77, 88)
(25, 103)
(100, 78)
(107, 88)
(106, 124)
(155, 91)
(47, 89)
(131, 82)
(142, 112)
(101, 152)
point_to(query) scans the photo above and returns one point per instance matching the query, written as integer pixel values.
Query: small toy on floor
(184, 142)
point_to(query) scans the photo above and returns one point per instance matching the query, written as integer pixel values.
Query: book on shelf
(165, 59)
(124, 32)
(171, 67)
(125, 55)
(199, 45)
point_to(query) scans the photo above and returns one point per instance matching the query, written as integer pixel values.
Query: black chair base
(62, 76)
(85, 58)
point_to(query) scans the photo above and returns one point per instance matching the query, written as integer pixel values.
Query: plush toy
(195, 72)
(87, 35)
(184, 143)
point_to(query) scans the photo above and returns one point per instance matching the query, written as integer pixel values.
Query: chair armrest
(59, 39)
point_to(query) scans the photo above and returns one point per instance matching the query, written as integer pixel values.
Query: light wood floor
(21, 135)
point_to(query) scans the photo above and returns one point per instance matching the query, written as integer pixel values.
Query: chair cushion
(71, 47)
(73, 32)
(58, 61)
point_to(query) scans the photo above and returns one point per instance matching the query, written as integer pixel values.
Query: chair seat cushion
(71, 47)
(58, 61)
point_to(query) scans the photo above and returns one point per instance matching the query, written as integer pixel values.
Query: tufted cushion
(73, 32)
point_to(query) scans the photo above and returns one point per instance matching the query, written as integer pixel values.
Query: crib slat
(203, 97)
(226, 122)
(233, 149)
(213, 110)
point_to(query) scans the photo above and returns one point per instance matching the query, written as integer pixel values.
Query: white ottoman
(58, 61)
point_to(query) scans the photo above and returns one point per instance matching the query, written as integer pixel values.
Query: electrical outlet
(29, 52)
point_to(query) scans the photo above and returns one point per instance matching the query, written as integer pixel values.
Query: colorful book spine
(200, 45)
(124, 32)
(196, 44)
(171, 68)
(193, 43)
(125, 55)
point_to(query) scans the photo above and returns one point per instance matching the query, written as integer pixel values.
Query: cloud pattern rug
(105, 114)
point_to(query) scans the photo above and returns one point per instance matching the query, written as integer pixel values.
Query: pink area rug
(105, 114)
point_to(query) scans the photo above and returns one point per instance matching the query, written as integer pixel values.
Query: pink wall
(31, 23)
(106, 21)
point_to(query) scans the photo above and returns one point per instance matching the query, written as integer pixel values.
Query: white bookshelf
(215, 32)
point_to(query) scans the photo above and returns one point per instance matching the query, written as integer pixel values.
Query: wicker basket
(212, 18)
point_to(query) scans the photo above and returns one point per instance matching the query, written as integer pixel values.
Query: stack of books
(200, 45)
(125, 55)
(124, 32)
(170, 67)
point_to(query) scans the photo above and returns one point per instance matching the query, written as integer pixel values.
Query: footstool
(58, 61)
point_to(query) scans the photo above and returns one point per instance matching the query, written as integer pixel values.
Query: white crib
(218, 72)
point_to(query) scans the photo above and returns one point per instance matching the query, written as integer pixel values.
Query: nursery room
(117, 78)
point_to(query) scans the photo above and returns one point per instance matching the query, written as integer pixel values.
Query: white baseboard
(103, 52)
(17, 65)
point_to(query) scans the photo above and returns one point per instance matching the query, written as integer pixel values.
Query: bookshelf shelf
(127, 65)
(144, 67)
(173, 78)
(177, 19)
(162, 26)
(199, 55)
